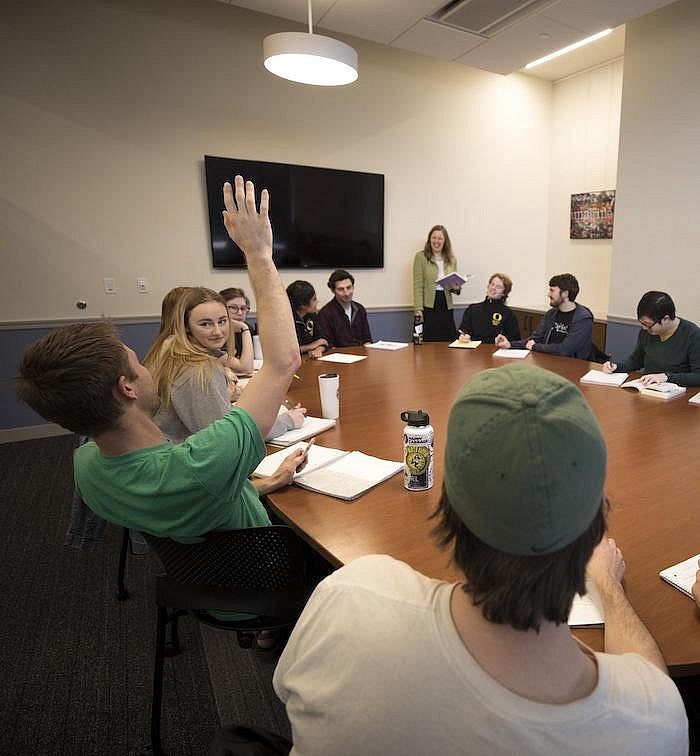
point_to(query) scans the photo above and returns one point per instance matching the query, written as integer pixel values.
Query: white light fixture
(568, 49)
(310, 58)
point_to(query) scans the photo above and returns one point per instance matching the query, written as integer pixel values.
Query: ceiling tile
(437, 41)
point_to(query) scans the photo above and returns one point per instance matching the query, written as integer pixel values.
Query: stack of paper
(515, 354)
(390, 345)
(599, 378)
(344, 475)
(342, 357)
(457, 344)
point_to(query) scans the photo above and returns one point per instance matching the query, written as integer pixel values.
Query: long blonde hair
(167, 325)
(178, 351)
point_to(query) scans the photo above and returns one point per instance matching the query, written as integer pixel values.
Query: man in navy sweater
(565, 330)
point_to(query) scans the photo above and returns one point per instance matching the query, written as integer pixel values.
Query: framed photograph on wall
(592, 215)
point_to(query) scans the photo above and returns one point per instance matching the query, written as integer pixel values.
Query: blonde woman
(430, 300)
(194, 385)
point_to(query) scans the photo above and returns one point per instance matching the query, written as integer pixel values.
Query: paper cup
(257, 348)
(329, 389)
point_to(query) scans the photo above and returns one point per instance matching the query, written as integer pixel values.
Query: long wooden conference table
(653, 480)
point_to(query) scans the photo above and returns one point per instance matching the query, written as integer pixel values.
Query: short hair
(566, 282)
(656, 305)
(233, 292)
(507, 284)
(69, 375)
(515, 590)
(300, 293)
(339, 275)
(446, 250)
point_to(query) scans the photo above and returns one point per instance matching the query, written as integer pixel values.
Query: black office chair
(258, 571)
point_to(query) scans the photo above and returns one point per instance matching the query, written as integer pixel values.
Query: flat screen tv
(321, 217)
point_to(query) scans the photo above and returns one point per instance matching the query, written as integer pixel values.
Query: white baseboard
(28, 432)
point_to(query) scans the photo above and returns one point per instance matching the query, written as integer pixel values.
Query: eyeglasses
(648, 326)
(238, 308)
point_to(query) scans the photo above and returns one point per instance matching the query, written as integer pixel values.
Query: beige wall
(656, 230)
(108, 107)
(585, 135)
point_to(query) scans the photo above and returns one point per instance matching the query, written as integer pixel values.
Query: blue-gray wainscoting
(17, 421)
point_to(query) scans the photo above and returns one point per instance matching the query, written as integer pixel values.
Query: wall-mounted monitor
(321, 217)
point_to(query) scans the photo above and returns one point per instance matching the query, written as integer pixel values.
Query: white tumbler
(329, 389)
(257, 348)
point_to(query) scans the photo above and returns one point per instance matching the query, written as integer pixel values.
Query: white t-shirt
(441, 271)
(375, 666)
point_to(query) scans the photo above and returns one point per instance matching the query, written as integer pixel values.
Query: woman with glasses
(238, 306)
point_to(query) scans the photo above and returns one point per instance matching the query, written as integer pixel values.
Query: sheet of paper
(457, 344)
(682, 575)
(390, 345)
(318, 456)
(513, 354)
(694, 399)
(350, 476)
(587, 610)
(312, 426)
(341, 357)
(600, 378)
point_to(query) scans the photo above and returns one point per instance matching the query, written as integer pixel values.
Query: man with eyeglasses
(238, 306)
(668, 347)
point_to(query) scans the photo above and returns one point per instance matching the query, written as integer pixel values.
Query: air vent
(487, 17)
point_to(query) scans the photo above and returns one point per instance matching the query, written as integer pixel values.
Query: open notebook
(344, 475)
(312, 426)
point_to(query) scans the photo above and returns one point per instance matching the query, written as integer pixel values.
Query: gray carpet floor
(76, 663)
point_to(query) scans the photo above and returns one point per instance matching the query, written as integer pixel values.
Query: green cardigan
(424, 274)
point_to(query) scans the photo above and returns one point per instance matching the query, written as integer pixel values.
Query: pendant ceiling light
(310, 58)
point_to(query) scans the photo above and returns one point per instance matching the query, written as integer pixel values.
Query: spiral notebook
(341, 474)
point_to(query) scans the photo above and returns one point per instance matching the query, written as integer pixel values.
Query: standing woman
(430, 300)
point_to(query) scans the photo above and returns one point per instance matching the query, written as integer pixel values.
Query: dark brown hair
(339, 275)
(520, 591)
(447, 248)
(69, 375)
(233, 292)
(566, 282)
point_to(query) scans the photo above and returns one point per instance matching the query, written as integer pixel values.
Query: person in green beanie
(387, 661)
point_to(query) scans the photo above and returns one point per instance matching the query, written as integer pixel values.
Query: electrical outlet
(110, 285)
(142, 286)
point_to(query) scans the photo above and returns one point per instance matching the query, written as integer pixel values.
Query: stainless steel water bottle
(418, 443)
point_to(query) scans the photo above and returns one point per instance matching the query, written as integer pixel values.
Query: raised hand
(246, 226)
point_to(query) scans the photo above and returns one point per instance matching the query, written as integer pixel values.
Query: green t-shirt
(179, 491)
